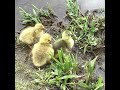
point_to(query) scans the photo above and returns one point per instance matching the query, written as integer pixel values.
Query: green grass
(98, 85)
(88, 84)
(90, 69)
(28, 17)
(41, 12)
(63, 70)
(84, 27)
(60, 72)
(72, 8)
(34, 17)
(84, 30)
(63, 74)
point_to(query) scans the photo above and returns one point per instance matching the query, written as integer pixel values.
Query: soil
(23, 64)
(54, 29)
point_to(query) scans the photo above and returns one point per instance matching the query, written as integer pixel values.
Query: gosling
(66, 43)
(42, 51)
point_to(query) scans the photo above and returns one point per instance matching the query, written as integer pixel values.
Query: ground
(24, 68)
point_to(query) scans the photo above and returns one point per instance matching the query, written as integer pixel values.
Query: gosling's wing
(59, 44)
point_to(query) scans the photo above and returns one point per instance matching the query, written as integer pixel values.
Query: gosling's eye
(49, 40)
